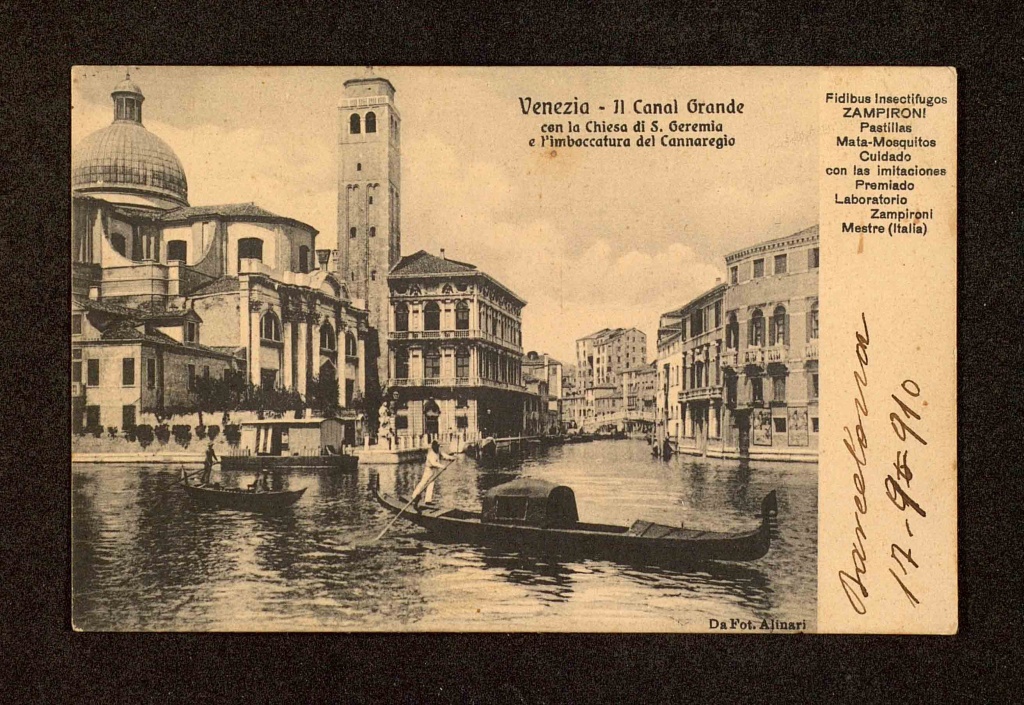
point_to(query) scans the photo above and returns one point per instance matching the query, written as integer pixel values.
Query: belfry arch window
(328, 341)
(303, 259)
(432, 316)
(778, 328)
(401, 317)
(757, 328)
(177, 250)
(270, 327)
(371, 122)
(353, 124)
(351, 232)
(373, 231)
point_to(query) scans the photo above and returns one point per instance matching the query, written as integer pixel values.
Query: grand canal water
(145, 558)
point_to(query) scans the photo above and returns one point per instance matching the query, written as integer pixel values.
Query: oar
(411, 501)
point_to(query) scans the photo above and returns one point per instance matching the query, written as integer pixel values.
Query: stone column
(301, 358)
(314, 335)
(254, 346)
(288, 368)
(360, 381)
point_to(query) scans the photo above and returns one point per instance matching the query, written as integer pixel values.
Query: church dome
(125, 158)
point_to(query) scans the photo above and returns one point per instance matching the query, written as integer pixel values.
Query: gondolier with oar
(426, 484)
(208, 463)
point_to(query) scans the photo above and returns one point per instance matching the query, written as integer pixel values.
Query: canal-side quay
(145, 559)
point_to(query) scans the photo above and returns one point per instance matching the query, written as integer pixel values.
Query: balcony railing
(454, 382)
(452, 335)
(753, 356)
(777, 354)
(730, 359)
(698, 393)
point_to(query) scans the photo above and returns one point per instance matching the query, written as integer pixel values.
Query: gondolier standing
(433, 462)
(208, 463)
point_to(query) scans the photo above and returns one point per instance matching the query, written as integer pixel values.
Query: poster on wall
(761, 427)
(797, 427)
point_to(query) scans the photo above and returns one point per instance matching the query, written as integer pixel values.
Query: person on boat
(259, 483)
(208, 463)
(426, 484)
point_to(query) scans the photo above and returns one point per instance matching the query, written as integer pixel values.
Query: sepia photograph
(449, 349)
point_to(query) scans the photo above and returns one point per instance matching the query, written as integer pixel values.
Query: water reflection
(144, 557)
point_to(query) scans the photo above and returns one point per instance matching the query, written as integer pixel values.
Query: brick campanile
(369, 184)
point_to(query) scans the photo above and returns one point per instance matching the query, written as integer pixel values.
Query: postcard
(413, 349)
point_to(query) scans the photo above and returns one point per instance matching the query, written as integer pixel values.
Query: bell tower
(369, 237)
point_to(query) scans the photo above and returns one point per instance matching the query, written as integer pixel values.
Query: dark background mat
(45, 661)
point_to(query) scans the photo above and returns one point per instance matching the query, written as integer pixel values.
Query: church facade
(164, 292)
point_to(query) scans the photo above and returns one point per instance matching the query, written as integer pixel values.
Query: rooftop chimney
(442, 254)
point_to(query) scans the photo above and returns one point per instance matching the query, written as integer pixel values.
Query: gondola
(536, 516)
(244, 500)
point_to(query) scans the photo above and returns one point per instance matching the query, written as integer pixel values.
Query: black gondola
(537, 516)
(244, 500)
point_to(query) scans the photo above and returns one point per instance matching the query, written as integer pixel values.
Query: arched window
(270, 327)
(328, 341)
(117, 241)
(371, 122)
(353, 124)
(351, 232)
(462, 363)
(402, 364)
(373, 231)
(351, 349)
(812, 322)
(401, 317)
(250, 248)
(756, 328)
(462, 316)
(432, 363)
(373, 275)
(432, 316)
(303, 259)
(778, 330)
(177, 250)
(732, 333)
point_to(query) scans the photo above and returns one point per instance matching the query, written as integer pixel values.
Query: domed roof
(127, 85)
(126, 157)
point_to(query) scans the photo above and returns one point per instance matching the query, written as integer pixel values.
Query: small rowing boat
(534, 515)
(244, 500)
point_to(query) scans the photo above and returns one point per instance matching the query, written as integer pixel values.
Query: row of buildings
(736, 371)
(738, 365)
(166, 294)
